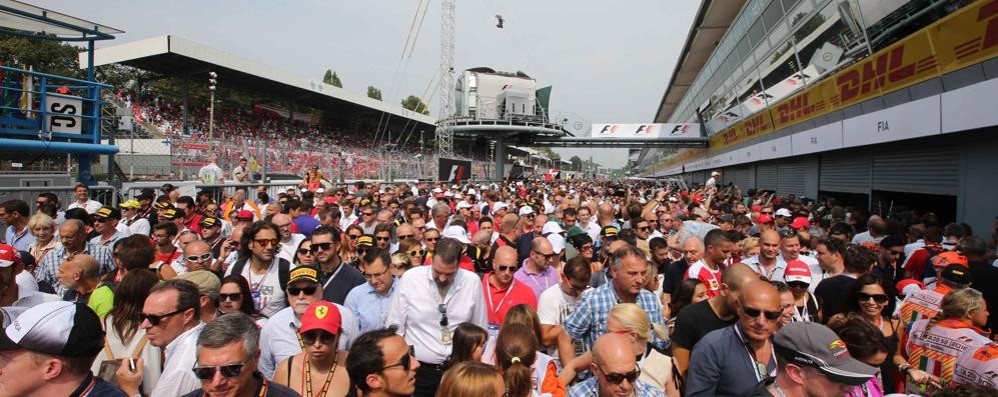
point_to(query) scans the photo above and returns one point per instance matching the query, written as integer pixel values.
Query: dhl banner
(966, 37)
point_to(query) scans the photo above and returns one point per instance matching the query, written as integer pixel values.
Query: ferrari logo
(321, 312)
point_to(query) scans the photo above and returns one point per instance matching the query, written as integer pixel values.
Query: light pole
(212, 82)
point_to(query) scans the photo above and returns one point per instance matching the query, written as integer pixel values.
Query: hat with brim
(816, 346)
(59, 328)
(322, 315)
(303, 273)
(456, 232)
(366, 240)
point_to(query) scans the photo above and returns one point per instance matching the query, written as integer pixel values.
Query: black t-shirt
(762, 389)
(985, 279)
(830, 292)
(674, 276)
(695, 321)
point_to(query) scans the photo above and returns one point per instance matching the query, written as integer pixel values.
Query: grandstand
(270, 116)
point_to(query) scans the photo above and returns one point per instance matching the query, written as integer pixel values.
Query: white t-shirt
(211, 174)
(91, 206)
(267, 291)
(553, 306)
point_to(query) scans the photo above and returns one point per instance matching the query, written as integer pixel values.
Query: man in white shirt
(876, 228)
(790, 251)
(279, 336)
(172, 320)
(262, 268)
(211, 173)
(557, 302)
(429, 303)
(82, 193)
(136, 223)
(586, 223)
(289, 241)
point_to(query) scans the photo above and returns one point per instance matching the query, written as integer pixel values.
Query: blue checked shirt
(588, 321)
(48, 269)
(590, 388)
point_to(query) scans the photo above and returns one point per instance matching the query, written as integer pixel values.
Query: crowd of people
(514, 289)
(290, 149)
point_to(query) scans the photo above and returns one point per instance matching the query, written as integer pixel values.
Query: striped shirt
(588, 321)
(590, 388)
(935, 349)
(48, 268)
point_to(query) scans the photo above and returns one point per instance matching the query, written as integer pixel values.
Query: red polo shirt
(499, 301)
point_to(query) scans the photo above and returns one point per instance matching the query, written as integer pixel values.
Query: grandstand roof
(711, 22)
(176, 56)
(20, 19)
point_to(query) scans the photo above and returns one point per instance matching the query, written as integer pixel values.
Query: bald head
(482, 237)
(404, 229)
(196, 247)
(763, 301)
(737, 275)
(84, 265)
(504, 256)
(541, 244)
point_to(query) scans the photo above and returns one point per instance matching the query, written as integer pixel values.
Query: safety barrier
(107, 195)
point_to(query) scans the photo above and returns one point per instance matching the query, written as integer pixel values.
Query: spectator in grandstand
(627, 268)
(722, 351)
(230, 339)
(428, 326)
(82, 193)
(106, 225)
(279, 336)
(171, 320)
(720, 311)
(320, 328)
(14, 216)
(42, 228)
(961, 314)
(124, 337)
(369, 301)
(72, 234)
(812, 358)
(263, 269)
(133, 220)
(615, 371)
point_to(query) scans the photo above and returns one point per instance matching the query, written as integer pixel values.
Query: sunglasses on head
(294, 291)
(198, 258)
(754, 313)
(208, 372)
(617, 378)
(234, 297)
(311, 336)
(316, 247)
(155, 319)
(406, 361)
(878, 298)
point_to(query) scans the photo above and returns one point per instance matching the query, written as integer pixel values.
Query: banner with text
(645, 131)
(966, 37)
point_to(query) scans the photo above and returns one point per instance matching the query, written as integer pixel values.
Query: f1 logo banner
(452, 170)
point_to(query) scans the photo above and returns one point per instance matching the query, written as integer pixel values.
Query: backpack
(283, 270)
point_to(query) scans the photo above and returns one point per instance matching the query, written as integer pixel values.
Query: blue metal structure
(28, 128)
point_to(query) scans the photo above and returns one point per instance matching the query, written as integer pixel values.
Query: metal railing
(107, 195)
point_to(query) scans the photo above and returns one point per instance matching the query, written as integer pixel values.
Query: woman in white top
(657, 368)
(42, 227)
(123, 337)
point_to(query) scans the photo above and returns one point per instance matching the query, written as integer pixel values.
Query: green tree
(47, 56)
(576, 163)
(373, 93)
(415, 104)
(332, 79)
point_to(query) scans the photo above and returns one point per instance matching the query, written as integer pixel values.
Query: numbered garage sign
(62, 114)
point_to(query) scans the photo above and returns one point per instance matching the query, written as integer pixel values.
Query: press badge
(446, 336)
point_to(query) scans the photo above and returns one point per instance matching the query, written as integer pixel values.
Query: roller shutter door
(791, 177)
(846, 171)
(766, 176)
(743, 178)
(929, 169)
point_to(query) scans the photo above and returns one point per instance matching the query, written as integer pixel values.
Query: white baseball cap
(526, 210)
(456, 232)
(557, 242)
(58, 328)
(551, 228)
(783, 212)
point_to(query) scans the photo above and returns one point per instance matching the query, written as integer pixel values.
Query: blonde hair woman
(471, 379)
(657, 368)
(749, 247)
(42, 227)
(961, 315)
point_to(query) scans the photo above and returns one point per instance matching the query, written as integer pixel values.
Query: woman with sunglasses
(413, 250)
(797, 275)
(304, 254)
(320, 370)
(234, 296)
(124, 337)
(870, 299)
(658, 369)
(348, 251)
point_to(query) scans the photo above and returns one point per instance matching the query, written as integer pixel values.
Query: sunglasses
(754, 313)
(406, 361)
(155, 319)
(304, 251)
(512, 268)
(234, 297)
(645, 229)
(273, 242)
(100, 220)
(616, 378)
(382, 238)
(367, 213)
(198, 258)
(546, 256)
(443, 314)
(208, 372)
(417, 252)
(294, 291)
(353, 236)
(405, 236)
(878, 298)
(431, 239)
(316, 247)
(798, 284)
(310, 337)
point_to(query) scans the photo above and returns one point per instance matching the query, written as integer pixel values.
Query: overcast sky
(609, 62)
